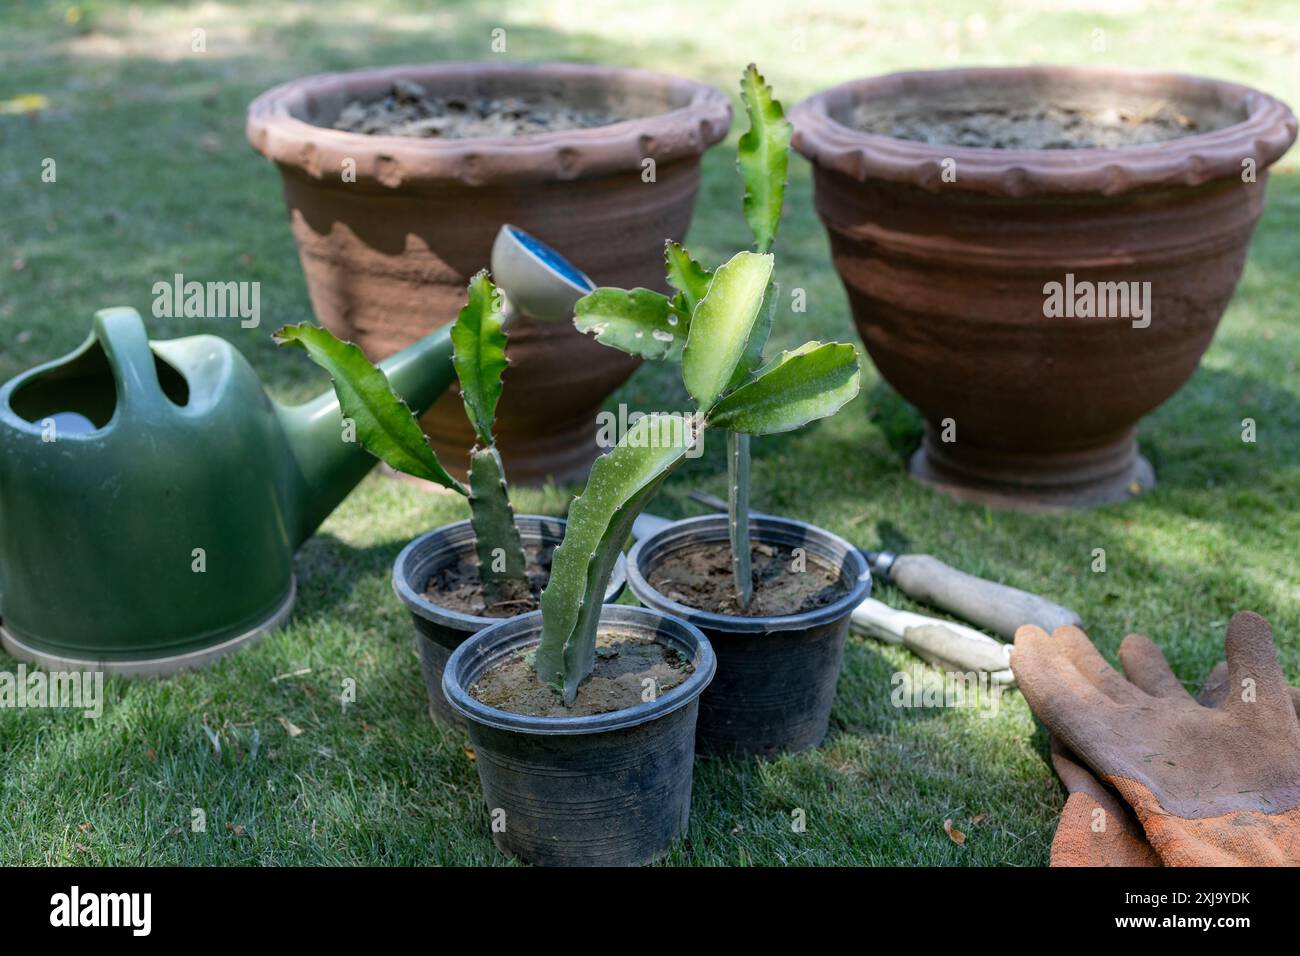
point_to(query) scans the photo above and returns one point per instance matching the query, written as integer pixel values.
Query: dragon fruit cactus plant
(388, 429)
(687, 327)
(715, 326)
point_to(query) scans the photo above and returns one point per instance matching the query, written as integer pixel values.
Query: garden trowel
(945, 644)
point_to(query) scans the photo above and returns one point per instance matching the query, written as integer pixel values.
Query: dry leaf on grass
(293, 730)
(469, 752)
(954, 834)
(236, 828)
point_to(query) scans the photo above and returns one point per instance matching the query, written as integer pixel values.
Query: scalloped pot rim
(701, 120)
(1265, 134)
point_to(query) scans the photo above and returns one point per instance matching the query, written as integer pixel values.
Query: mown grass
(154, 178)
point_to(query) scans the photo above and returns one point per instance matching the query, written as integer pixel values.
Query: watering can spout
(329, 461)
(538, 283)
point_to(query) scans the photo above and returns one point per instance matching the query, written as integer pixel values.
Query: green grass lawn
(154, 178)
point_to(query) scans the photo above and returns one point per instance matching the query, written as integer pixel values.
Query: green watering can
(152, 495)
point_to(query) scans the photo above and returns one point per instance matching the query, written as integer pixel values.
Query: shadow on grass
(330, 572)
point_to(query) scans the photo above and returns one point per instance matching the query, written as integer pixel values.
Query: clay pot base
(1038, 483)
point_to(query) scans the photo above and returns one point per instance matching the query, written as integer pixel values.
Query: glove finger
(1089, 662)
(1094, 832)
(1215, 689)
(1066, 765)
(1070, 768)
(1147, 668)
(1252, 657)
(1062, 698)
(1096, 827)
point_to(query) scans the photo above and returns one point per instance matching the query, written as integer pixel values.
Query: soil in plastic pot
(700, 576)
(779, 660)
(436, 577)
(458, 587)
(628, 668)
(605, 781)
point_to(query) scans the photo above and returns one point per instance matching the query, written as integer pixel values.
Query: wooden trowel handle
(992, 606)
(945, 644)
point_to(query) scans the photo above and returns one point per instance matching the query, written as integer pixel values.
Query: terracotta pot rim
(1265, 134)
(702, 120)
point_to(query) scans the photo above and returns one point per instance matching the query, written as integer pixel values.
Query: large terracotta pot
(948, 277)
(388, 256)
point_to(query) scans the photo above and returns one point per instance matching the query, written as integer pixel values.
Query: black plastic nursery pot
(440, 630)
(776, 675)
(610, 789)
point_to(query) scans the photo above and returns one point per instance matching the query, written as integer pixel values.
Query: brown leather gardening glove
(1210, 786)
(1097, 828)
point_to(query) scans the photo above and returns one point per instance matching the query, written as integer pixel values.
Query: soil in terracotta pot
(456, 587)
(1037, 127)
(623, 663)
(699, 576)
(409, 111)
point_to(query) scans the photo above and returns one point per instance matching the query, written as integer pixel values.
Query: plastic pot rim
(854, 568)
(421, 606)
(512, 633)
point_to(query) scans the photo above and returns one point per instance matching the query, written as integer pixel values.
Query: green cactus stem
(502, 567)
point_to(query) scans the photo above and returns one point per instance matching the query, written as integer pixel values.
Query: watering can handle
(121, 333)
